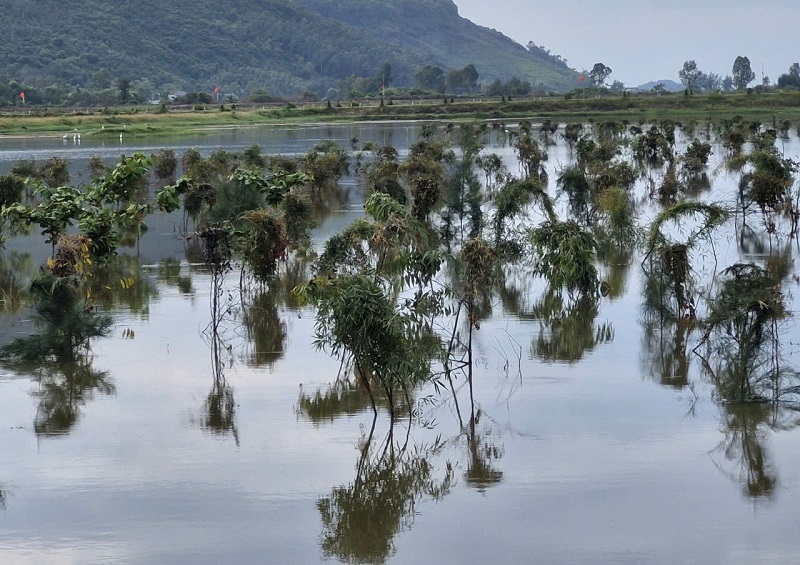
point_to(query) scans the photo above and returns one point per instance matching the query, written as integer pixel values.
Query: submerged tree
(667, 262)
(742, 339)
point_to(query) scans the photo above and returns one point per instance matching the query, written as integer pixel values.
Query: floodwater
(166, 448)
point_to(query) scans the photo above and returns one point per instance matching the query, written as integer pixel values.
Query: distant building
(177, 94)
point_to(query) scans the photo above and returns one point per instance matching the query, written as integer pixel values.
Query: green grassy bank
(137, 121)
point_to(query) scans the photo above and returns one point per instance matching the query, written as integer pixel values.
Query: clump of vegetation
(741, 334)
(165, 163)
(566, 254)
(667, 262)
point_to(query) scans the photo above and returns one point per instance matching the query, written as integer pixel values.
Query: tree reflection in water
(16, 271)
(219, 409)
(266, 332)
(746, 427)
(568, 330)
(170, 273)
(482, 451)
(665, 352)
(742, 358)
(345, 398)
(63, 388)
(361, 519)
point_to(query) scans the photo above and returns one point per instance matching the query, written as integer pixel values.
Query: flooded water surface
(598, 436)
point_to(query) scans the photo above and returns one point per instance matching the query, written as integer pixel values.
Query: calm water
(589, 455)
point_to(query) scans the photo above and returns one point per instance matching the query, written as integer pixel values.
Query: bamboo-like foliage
(566, 253)
(741, 335)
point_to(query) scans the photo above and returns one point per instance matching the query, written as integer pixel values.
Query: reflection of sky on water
(599, 464)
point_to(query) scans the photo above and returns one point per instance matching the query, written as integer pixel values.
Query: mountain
(670, 85)
(282, 46)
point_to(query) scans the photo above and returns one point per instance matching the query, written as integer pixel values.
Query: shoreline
(142, 121)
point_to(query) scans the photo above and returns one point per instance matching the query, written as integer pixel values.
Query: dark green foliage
(572, 133)
(261, 242)
(24, 168)
(357, 319)
(326, 162)
(281, 164)
(462, 216)
(11, 189)
(430, 78)
(222, 162)
(575, 185)
(297, 212)
(566, 253)
(252, 158)
(480, 261)
(54, 172)
(165, 163)
(531, 156)
(768, 184)
(741, 335)
(191, 158)
(100, 226)
(346, 252)
(426, 193)
(696, 157)
(216, 243)
(617, 214)
(654, 146)
(226, 200)
(510, 202)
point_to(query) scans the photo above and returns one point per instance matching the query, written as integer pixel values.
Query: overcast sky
(643, 40)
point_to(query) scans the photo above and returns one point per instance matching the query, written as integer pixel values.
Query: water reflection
(344, 398)
(265, 331)
(63, 388)
(122, 284)
(483, 450)
(743, 454)
(16, 271)
(170, 273)
(665, 350)
(567, 327)
(360, 520)
(219, 409)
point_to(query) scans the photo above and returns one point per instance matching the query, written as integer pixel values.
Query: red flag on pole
(22, 95)
(216, 89)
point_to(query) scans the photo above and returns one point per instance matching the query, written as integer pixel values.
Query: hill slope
(285, 46)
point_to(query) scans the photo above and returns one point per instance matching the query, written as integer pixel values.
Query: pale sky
(643, 40)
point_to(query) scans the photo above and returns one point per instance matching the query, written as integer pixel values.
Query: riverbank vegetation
(168, 120)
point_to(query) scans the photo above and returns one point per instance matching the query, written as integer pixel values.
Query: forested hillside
(281, 46)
